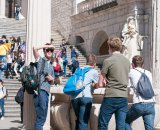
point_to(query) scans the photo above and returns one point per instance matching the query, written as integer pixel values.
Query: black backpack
(20, 95)
(144, 87)
(30, 77)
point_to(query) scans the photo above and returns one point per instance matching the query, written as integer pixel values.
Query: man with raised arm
(46, 78)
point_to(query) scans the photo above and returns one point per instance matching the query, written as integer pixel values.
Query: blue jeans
(2, 106)
(1, 72)
(3, 58)
(41, 108)
(146, 110)
(82, 107)
(110, 106)
(64, 69)
(4, 66)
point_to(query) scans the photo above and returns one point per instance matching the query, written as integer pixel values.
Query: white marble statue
(132, 41)
(18, 13)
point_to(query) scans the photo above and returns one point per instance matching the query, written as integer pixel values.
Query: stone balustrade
(91, 4)
(63, 118)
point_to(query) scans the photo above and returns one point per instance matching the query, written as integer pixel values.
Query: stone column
(38, 33)
(156, 46)
(2, 8)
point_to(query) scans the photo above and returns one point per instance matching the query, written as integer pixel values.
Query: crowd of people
(61, 60)
(12, 56)
(116, 71)
(12, 60)
(117, 75)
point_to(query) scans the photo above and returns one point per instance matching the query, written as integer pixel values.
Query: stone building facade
(92, 22)
(93, 28)
(96, 27)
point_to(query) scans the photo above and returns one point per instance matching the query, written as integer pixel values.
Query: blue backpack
(75, 83)
(144, 87)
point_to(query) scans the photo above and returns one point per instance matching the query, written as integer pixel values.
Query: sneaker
(2, 118)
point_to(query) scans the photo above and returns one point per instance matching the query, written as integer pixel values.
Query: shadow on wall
(99, 44)
(104, 49)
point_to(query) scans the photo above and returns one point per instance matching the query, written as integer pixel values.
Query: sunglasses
(47, 50)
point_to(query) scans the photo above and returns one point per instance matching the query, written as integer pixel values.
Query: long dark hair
(1, 81)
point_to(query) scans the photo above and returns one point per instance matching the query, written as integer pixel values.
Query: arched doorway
(99, 45)
(104, 49)
(80, 44)
(79, 40)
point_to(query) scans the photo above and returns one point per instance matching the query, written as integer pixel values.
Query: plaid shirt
(48, 70)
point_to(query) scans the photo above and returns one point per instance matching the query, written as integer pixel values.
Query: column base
(44, 128)
(157, 127)
(2, 17)
(24, 128)
(47, 128)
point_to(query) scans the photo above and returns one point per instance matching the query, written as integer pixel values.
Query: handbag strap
(140, 71)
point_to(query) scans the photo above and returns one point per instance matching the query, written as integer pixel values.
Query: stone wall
(109, 22)
(88, 25)
(61, 13)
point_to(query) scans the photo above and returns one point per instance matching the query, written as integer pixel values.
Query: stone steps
(12, 108)
(11, 27)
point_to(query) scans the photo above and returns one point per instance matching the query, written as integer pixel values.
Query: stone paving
(10, 124)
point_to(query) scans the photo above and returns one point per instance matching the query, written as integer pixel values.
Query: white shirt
(9, 58)
(2, 92)
(134, 77)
